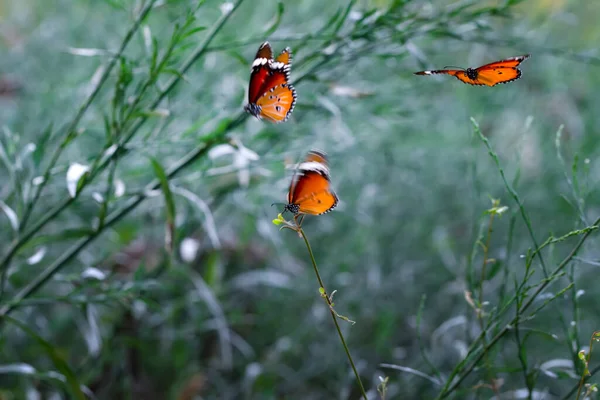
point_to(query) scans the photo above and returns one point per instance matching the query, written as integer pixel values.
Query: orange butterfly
(270, 96)
(310, 191)
(487, 75)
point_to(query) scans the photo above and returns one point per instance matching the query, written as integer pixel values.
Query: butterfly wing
(271, 96)
(503, 71)
(317, 156)
(312, 193)
(458, 73)
(491, 74)
(452, 72)
(260, 71)
(277, 104)
(496, 75)
(310, 189)
(511, 62)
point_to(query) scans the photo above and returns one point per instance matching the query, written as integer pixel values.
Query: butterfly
(270, 96)
(491, 74)
(310, 191)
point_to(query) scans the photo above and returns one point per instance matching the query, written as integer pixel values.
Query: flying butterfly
(310, 190)
(491, 74)
(270, 95)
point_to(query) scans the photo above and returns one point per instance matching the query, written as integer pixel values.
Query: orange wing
(312, 194)
(278, 103)
(494, 76)
(310, 191)
(270, 96)
(317, 156)
(285, 57)
(511, 62)
(491, 74)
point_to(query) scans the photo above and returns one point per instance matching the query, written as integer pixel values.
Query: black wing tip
(294, 96)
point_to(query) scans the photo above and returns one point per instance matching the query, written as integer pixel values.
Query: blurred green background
(231, 309)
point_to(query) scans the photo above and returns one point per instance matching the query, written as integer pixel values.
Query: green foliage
(452, 297)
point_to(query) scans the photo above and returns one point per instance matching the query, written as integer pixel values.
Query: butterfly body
(491, 74)
(270, 95)
(310, 191)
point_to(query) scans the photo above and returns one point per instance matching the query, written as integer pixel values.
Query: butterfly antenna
(454, 66)
(280, 204)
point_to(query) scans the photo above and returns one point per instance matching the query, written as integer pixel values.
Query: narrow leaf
(11, 215)
(56, 358)
(276, 20)
(164, 185)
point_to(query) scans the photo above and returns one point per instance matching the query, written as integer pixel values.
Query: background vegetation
(159, 274)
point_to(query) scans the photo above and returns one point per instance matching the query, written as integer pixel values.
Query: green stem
(70, 131)
(50, 215)
(453, 384)
(512, 192)
(480, 314)
(586, 367)
(333, 316)
(216, 137)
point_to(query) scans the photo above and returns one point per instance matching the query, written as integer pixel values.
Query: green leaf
(276, 20)
(192, 31)
(40, 146)
(57, 359)
(166, 189)
(494, 269)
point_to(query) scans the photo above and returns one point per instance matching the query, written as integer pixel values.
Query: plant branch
(333, 314)
(70, 131)
(216, 137)
(450, 387)
(24, 238)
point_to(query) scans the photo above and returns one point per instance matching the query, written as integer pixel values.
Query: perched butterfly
(310, 191)
(270, 96)
(489, 74)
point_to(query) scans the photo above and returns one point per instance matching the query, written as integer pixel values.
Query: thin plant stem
(576, 387)
(70, 130)
(70, 135)
(115, 217)
(452, 384)
(588, 359)
(480, 313)
(512, 192)
(50, 215)
(333, 314)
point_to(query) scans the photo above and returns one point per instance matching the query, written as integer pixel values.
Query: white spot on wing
(259, 62)
(314, 166)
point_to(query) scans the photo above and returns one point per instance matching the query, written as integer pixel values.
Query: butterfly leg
(299, 218)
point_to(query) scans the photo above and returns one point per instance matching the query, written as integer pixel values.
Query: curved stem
(333, 315)
(70, 130)
(451, 383)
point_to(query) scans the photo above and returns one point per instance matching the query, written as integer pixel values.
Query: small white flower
(37, 256)
(226, 7)
(93, 273)
(74, 174)
(220, 150)
(189, 249)
(98, 197)
(242, 156)
(119, 188)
